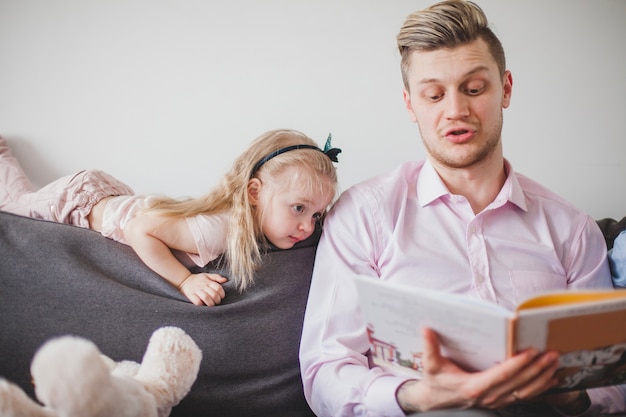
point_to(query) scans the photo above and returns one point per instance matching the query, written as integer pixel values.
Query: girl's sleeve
(209, 233)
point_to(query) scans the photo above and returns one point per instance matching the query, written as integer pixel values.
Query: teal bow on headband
(329, 151)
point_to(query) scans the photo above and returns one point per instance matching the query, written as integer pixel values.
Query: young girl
(275, 192)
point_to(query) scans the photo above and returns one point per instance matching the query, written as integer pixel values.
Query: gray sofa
(58, 279)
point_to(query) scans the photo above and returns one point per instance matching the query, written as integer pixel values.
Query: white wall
(164, 94)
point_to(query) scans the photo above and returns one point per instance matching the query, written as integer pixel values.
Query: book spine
(511, 337)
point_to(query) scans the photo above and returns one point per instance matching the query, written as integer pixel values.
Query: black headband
(330, 152)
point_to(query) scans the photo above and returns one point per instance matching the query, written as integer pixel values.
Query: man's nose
(457, 105)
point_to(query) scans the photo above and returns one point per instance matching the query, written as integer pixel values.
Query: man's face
(456, 97)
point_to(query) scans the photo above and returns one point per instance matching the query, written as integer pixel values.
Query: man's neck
(479, 184)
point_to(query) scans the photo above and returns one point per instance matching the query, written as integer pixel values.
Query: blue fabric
(617, 260)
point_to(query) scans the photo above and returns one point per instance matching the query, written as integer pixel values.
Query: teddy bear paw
(15, 403)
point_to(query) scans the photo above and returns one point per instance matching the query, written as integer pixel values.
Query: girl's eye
(298, 208)
(317, 216)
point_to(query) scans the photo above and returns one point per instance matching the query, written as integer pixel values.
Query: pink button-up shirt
(407, 227)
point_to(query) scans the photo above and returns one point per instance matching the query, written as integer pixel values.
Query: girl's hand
(203, 289)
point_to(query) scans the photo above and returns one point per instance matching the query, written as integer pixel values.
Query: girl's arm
(152, 236)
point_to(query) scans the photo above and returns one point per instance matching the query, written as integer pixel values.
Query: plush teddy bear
(73, 379)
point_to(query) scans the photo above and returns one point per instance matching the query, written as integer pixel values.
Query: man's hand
(204, 289)
(445, 385)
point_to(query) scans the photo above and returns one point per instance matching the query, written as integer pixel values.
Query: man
(462, 221)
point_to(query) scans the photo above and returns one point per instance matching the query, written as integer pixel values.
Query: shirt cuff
(591, 411)
(381, 397)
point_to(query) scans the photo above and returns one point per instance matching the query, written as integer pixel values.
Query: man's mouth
(459, 132)
(459, 135)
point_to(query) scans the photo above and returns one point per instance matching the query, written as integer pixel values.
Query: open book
(588, 329)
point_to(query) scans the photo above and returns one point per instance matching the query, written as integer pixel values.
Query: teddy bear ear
(170, 365)
(59, 364)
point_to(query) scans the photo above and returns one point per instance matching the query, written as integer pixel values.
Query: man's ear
(406, 95)
(254, 188)
(507, 89)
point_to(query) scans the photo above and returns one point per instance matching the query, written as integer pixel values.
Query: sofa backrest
(58, 279)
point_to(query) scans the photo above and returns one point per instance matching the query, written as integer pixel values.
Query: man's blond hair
(447, 24)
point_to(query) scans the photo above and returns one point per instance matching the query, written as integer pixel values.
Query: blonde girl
(274, 193)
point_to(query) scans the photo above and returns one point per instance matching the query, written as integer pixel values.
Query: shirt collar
(430, 187)
(512, 190)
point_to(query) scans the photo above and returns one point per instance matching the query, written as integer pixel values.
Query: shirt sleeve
(337, 377)
(209, 233)
(586, 264)
(608, 399)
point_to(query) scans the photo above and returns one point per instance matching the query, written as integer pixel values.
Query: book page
(473, 333)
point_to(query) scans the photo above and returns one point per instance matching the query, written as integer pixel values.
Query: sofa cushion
(58, 279)
(611, 228)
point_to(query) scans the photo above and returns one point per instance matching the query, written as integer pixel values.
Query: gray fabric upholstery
(58, 279)
(455, 413)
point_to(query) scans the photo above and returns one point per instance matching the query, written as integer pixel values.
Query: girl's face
(287, 213)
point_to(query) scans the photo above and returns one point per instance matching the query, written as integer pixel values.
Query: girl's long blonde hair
(316, 174)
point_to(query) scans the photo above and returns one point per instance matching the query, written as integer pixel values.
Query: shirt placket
(479, 261)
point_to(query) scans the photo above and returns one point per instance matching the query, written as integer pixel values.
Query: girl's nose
(307, 226)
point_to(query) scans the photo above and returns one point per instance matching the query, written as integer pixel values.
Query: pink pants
(66, 200)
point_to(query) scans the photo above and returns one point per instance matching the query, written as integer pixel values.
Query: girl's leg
(13, 180)
(68, 199)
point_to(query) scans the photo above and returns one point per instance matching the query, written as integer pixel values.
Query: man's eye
(432, 94)
(474, 91)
